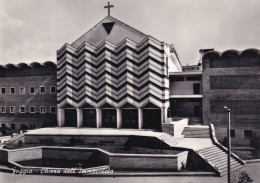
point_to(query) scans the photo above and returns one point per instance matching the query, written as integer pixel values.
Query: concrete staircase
(169, 139)
(195, 121)
(196, 132)
(217, 157)
(203, 142)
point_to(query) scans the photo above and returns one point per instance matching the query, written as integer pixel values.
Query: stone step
(219, 159)
(198, 136)
(224, 164)
(216, 156)
(213, 152)
(209, 149)
(195, 133)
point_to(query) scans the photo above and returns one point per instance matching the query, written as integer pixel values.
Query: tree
(240, 177)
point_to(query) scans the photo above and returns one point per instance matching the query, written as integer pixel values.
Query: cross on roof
(108, 7)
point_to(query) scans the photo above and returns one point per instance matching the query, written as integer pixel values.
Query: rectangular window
(3, 91)
(42, 89)
(233, 133)
(12, 126)
(22, 109)
(53, 89)
(12, 109)
(193, 78)
(231, 61)
(32, 90)
(196, 88)
(3, 109)
(42, 109)
(178, 78)
(248, 133)
(235, 82)
(22, 90)
(12, 90)
(236, 106)
(32, 109)
(53, 109)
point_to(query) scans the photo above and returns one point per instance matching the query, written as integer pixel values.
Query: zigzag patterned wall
(114, 74)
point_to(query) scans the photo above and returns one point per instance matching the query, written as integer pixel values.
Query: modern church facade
(114, 76)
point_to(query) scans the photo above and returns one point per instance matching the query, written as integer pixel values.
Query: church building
(114, 76)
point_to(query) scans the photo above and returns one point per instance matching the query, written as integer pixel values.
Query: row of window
(32, 90)
(247, 133)
(32, 109)
(186, 78)
(236, 106)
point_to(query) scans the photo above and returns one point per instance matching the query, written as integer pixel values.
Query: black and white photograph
(129, 91)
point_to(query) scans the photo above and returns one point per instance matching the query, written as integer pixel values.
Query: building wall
(232, 79)
(26, 77)
(183, 87)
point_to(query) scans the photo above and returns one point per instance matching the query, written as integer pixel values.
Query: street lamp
(229, 143)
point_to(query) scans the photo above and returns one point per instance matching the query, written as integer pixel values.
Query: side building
(186, 94)
(232, 79)
(28, 95)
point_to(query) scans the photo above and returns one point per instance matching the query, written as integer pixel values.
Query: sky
(32, 30)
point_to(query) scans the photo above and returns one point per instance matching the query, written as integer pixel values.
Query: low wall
(158, 162)
(175, 127)
(25, 154)
(148, 162)
(79, 139)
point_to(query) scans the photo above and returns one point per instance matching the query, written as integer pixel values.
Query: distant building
(28, 95)
(232, 78)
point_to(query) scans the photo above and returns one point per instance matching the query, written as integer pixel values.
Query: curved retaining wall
(115, 160)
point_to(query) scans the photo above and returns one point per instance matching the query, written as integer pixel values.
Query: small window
(12, 126)
(22, 90)
(3, 109)
(42, 109)
(32, 90)
(22, 109)
(53, 109)
(248, 133)
(12, 109)
(53, 89)
(233, 133)
(178, 78)
(3, 91)
(12, 90)
(32, 109)
(42, 89)
(193, 78)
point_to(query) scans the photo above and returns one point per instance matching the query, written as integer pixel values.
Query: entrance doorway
(109, 118)
(197, 111)
(151, 117)
(70, 118)
(89, 118)
(130, 118)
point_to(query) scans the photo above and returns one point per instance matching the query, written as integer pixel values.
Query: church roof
(109, 29)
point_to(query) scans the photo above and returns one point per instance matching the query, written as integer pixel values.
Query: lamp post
(229, 143)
